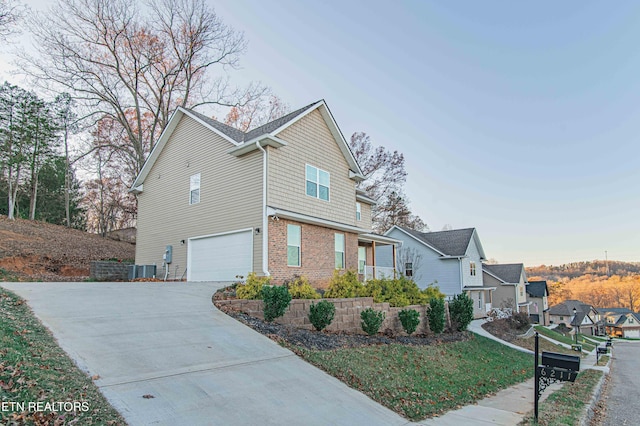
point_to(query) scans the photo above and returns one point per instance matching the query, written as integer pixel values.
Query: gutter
(265, 221)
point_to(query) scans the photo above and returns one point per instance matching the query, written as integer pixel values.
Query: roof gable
(537, 289)
(507, 273)
(240, 140)
(453, 243)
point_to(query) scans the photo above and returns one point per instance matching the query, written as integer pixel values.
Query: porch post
(394, 261)
(373, 255)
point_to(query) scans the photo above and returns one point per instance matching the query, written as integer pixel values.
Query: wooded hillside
(577, 269)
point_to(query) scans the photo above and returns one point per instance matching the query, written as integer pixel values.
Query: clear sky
(521, 119)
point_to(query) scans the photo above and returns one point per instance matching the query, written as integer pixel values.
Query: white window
(472, 268)
(293, 245)
(408, 269)
(358, 211)
(317, 183)
(194, 189)
(479, 300)
(362, 259)
(339, 251)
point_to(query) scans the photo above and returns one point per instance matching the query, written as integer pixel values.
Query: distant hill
(577, 269)
(39, 251)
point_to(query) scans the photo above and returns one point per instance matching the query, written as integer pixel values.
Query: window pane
(293, 256)
(324, 193)
(312, 189)
(194, 196)
(340, 242)
(293, 235)
(324, 178)
(312, 174)
(361, 265)
(362, 253)
(194, 182)
(339, 260)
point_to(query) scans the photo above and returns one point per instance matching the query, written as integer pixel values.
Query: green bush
(300, 288)
(321, 314)
(461, 311)
(431, 292)
(371, 320)
(409, 318)
(344, 285)
(276, 301)
(436, 315)
(252, 288)
(399, 292)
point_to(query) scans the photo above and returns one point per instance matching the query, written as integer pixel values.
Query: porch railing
(381, 272)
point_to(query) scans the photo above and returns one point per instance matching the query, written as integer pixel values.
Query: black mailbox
(568, 362)
(602, 350)
(608, 343)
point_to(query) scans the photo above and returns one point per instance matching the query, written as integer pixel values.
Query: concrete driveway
(202, 367)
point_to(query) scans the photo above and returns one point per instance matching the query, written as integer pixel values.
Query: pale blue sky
(521, 119)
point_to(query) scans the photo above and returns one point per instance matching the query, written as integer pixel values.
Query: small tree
(276, 301)
(321, 314)
(409, 318)
(436, 315)
(461, 311)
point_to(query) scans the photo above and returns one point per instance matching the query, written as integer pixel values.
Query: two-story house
(621, 322)
(574, 313)
(509, 281)
(451, 260)
(278, 200)
(538, 293)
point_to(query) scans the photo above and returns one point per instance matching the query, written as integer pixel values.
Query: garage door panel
(220, 257)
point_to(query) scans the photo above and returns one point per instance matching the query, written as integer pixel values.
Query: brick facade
(347, 315)
(317, 252)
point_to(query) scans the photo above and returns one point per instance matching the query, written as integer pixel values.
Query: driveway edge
(587, 414)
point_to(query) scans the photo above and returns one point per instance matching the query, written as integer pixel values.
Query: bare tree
(409, 256)
(386, 177)
(256, 112)
(136, 69)
(10, 14)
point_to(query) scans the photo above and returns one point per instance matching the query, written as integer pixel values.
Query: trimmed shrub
(321, 314)
(371, 320)
(436, 315)
(252, 288)
(409, 318)
(461, 311)
(300, 288)
(276, 301)
(399, 292)
(344, 285)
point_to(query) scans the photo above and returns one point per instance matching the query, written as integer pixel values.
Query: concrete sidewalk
(201, 366)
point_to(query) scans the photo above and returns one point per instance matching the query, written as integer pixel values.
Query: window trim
(299, 246)
(408, 266)
(358, 211)
(317, 183)
(336, 251)
(193, 188)
(472, 268)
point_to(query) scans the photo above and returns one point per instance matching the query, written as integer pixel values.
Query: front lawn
(34, 370)
(564, 338)
(565, 406)
(422, 381)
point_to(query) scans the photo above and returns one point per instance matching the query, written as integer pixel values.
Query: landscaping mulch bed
(505, 329)
(325, 341)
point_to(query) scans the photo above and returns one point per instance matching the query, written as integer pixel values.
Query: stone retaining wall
(109, 271)
(347, 317)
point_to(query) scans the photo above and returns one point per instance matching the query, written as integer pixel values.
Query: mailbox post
(600, 350)
(553, 367)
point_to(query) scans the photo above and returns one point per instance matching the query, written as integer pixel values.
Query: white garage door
(220, 257)
(632, 333)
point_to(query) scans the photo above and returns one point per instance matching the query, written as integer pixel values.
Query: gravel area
(324, 340)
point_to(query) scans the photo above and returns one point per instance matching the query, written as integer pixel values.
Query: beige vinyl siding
(366, 216)
(230, 195)
(309, 141)
(504, 296)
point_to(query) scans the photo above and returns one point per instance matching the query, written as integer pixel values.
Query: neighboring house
(509, 281)
(621, 322)
(585, 315)
(278, 200)
(451, 260)
(538, 293)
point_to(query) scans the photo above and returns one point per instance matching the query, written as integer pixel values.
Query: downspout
(265, 218)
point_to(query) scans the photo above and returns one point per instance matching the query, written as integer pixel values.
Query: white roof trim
(273, 211)
(378, 239)
(476, 238)
(365, 199)
(265, 140)
(418, 240)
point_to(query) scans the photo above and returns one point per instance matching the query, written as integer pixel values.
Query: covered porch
(374, 263)
(482, 300)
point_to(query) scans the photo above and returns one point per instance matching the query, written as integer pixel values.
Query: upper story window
(339, 251)
(358, 211)
(194, 189)
(293, 245)
(317, 183)
(472, 268)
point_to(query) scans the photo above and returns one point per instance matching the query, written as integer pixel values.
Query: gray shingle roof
(566, 307)
(451, 243)
(240, 136)
(615, 310)
(509, 273)
(537, 288)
